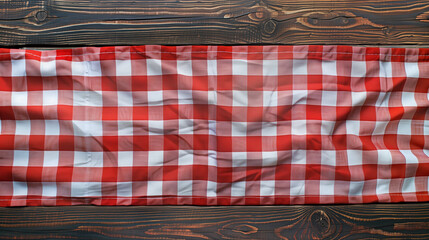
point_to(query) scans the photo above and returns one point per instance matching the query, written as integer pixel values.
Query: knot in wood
(41, 16)
(260, 13)
(270, 26)
(344, 20)
(320, 220)
(313, 20)
(246, 229)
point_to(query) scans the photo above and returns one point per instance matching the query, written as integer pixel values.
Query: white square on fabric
(21, 158)
(300, 67)
(186, 157)
(270, 68)
(354, 157)
(211, 189)
(383, 99)
(125, 158)
(404, 127)
(299, 156)
(124, 189)
(408, 99)
(49, 189)
(79, 128)
(212, 127)
(125, 128)
(20, 188)
(88, 159)
(95, 159)
(94, 189)
(299, 97)
(329, 68)
(211, 67)
(327, 127)
(184, 67)
(297, 187)
(358, 98)
(358, 69)
(269, 129)
(356, 188)
(22, 127)
(327, 187)
(239, 159)
(87, 128)
(79, 189)
(48, 69)
(123, 67)
(412, 69)
(185, 97)
(186, 126)
(239, 98)
(329, 98)
(19, 99)
(353, 127)
(51, 158)
(18, 68)
(410, 157)
(156, 127)
(239, 67)
(383, 186)
(184, 188)
(386, 69)
(239, 129)
(267, 188)
(380, 127)
(85, 189)
(81, 159)
(270, 98)
(94, 69)
(125, 99)
(238, 189)
(50, 97)
(155, 158)
(328, 157)
(409, 185)
(78, 68)
(299, 127)
(384, 157)
(212, 97)
(87, 98)
(154, 67)
(154, 98)
(154, 188)
(269, 158)
(52, 127)
(212, 158)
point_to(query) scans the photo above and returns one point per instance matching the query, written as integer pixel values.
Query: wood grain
(373, 221)
(177, 22)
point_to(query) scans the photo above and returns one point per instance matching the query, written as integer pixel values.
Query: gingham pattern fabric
(214, 125)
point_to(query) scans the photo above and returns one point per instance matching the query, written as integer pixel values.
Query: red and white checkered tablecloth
(214, 125)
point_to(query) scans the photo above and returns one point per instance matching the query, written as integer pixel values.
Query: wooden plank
(137, 22)
(373, 221)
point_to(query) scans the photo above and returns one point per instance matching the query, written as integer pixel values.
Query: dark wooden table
(63, 24)
(372, 221)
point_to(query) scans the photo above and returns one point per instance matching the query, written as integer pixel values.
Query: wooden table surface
(136, 22)
(64, 24)
(372, 221)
